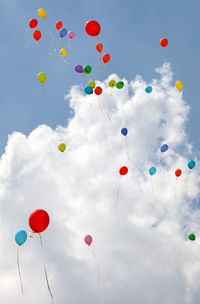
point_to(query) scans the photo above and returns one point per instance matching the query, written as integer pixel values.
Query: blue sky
(131, 31)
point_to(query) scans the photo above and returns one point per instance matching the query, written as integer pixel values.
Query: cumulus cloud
(141, 247)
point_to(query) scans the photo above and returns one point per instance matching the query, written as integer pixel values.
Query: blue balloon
(164, 148)
(63, 32)
(152, 170)
(148, 89)
(88, 90)
(191, 164)
(20, 237)
(124, 131)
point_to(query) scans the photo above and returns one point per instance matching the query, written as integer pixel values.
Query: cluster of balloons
(112, 84)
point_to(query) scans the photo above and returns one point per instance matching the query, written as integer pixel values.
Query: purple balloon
(78, 68)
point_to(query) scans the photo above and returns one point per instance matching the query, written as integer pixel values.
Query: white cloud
(142, 247)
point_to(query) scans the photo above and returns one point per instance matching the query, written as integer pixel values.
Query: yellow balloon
(92, 84)
(41, 77)
(62, 147)
(63, 52)
(41, 13)
(179, 85)
(112, 83)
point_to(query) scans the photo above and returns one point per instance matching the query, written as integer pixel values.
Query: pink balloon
(88, 240)
(71, 35)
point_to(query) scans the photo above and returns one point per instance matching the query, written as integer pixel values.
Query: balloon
(112, 83)
(106, 58)
(191, 237)
(123, 170)
(179, 85)
(99, 47)
(191, 164)
(88, 240)
(39, 220)
(92, 84)
(71, 35)
(63, 52)
(152, 170)
(87, 69)
(120, 84)
(124, 131)
(148, 89)
(41, 77)
(41, 13)
(37, 35)
(88, 90)
(98, 91)
(178, 172)
(20, 237)
(63, 32)
(163, 42)
(92, 28)
(78, 68)
(33, 23)
(62, 147)
(164, 148)
(59, 25)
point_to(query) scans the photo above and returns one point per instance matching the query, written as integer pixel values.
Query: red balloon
(178, 172)
(39, 220)
(59, 25)
(163, 42)
(92, 28)
(123, 170)
(106, 58)
(33, 23)
(99, 47)
(37, 35)
(98, 91)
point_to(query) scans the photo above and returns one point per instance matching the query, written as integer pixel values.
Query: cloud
(141, 248)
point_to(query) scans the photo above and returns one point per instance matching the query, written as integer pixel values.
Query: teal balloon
(20, 237)
(148, 89)
(152, 170)
(191, 164)
(88, 90)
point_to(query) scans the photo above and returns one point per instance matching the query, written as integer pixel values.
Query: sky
(139, 223)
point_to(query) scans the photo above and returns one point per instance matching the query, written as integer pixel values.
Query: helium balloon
(123, 170)
(88, 90)
(163, 42)
(191, 237)
(37, 35)
(120, 84)
(92, 28)
(112, 83)
(92, 84)
(178, 172)
(152, 170)
(41, 13)
(179, 85)
(99, 47)
(106, 58)
(191, 164)
(33, 23)
(59, 25)
(124, 131)
(63, 32)
(63, 52)
(88, 240)
(41, 77)
(62, 147)
(20, 237)
(87, 69)
(39, 220)
(164, 148)
(148, 89)
(78, 68)
(98, 90)
(71, 35)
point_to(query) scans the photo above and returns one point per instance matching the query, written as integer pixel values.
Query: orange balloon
(106, 58)
(99, 47)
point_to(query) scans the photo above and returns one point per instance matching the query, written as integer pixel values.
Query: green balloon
(191, 237)
(87, 69)
(120, 84)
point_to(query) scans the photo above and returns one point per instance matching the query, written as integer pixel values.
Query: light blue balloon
(148, 89)
(191, 164)
(152, 170)
(88, 90)
(20, 237)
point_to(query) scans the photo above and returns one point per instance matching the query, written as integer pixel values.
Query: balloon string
(152, 189)
(187, 177)
(97, 264)
(18, 265)
(117, 197)
(175, 187)
(45, 96)
(103, 106)
(127, 147)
